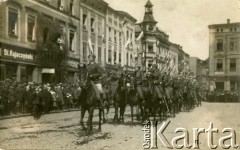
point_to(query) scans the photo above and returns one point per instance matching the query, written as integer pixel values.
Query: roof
(148, 4)
(149, 18)
(138, 28)
(123, 13)
(225, 25)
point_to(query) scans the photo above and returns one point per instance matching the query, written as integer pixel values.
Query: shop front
(18, 63)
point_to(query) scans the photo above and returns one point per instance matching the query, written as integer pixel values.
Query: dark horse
(88, 102)
(119, 98)
(133, 99)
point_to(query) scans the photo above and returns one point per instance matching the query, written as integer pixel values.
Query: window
(109, 34)
(45, 35)
(84, 21)
(120, 58)
(71, 7)
(120, 38)
(115, 57)
(109, 56)
(72, 38)
(233, 85)
(233, 44)
(59, 4)
(100, 27)
(31, 28)
(219, 45)
(99, 54)
(92, 24)
(219, 65)
(150, 62)
(84, 50)
(219, 86)
(150, 48)
(232, 64)
(115, 36)
(13, 21)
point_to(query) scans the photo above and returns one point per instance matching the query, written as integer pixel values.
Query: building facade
(47, 40)
(20, 34)
(200, 69)
(154, 46)
(224, 56)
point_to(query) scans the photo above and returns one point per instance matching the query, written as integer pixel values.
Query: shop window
(31, 36)
(13, 21)
(233, 64)
(2, 72)
(219, 86)
(232, 85)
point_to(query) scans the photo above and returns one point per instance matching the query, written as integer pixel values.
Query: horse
(88, 102)
(119, 99)
(135, 100)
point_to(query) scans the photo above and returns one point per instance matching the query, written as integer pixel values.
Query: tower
(149, 23)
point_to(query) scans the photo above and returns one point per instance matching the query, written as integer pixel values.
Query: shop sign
(48, 70)
(17, 55)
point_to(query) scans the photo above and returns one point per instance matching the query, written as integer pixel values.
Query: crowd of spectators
(19, 98)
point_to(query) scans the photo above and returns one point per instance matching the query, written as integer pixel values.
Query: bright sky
(185, 21)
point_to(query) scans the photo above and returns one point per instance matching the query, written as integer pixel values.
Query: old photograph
(119, 74)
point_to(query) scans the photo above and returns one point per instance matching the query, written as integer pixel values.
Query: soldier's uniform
(155, 80)
(94, 72)
(139, 83)
(114, 80)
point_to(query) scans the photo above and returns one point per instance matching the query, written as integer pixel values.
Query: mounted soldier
(94, 74)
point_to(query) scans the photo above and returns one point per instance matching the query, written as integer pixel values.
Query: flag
(90, 45)
(140, 36)
(128, 42)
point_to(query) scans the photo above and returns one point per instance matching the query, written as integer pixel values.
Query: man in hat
(95, 72)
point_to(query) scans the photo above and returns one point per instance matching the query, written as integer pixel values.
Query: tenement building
(224, 56)
(39, 40)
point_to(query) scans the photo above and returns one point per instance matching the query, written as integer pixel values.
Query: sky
(185, 21)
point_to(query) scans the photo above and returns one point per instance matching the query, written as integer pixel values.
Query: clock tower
(149, 23)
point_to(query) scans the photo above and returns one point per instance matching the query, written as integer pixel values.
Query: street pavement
(62, 130)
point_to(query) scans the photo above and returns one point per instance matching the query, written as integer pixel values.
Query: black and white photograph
(119, 74)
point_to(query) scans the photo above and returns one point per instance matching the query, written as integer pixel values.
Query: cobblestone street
(62, 130)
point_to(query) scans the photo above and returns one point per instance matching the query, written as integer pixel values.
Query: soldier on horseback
(94, 74)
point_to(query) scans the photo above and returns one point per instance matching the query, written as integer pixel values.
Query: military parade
(119, 74)
(153, 92)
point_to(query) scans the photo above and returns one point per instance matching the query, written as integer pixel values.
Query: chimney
(228, 21)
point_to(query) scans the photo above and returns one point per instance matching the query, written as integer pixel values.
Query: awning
(48, 70)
